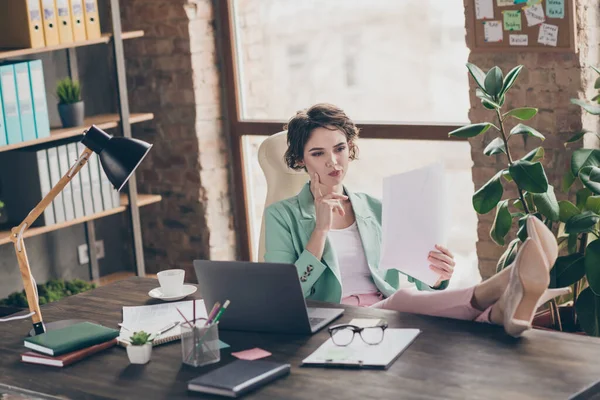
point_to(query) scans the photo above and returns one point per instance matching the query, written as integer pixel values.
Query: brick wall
(173, 72)
(547, 82)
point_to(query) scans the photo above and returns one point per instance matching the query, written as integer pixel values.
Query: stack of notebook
(65, 346)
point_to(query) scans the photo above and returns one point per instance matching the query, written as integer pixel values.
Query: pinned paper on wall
(492, 31)
(548, 35)
(518, 40)
(534, 14)
(484, 9)
(505, 3)
(555, 8)
(512, 20)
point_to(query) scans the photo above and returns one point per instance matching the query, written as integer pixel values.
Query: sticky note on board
(505, 3)
(518, 40)
(534, 14)
(512, 20)
(555, 8)
(492, 31)
(548, 35)
(484, 9)
(520, 1)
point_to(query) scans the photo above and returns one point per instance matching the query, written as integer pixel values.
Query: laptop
(265, 297)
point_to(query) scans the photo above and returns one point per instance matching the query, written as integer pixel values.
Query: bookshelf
(121, 121)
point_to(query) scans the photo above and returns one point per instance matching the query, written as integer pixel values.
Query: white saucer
(158, 294)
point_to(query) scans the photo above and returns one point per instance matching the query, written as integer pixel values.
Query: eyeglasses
(342, 335)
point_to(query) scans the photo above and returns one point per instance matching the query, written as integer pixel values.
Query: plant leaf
(510, 78)
(576, 137)
(581, 197)
(547, 204)
(486, 198)
(506, 175)
(502, 223)
(494, 82)
(518, 205)
(567, 210)
(568, 269)
(593, 109)
(478, 75)
(572, 243)
(496, 146)
(595, 69)
(592, 204)
(534, 155)
(469, 131)
(529, 176)
(523, 113)
(587, 308)
(597, 84)
(582, 223)
(590, 177)
(592, 266)
(567, 181)
(508, 256)
(521, 129)
(582, 158)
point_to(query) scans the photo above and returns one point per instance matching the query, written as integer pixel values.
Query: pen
(213, 312)
(221, 311)
(167, 328)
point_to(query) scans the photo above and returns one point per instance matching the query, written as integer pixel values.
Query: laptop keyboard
(314, 320)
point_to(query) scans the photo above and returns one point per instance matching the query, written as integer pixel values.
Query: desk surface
(450, 359)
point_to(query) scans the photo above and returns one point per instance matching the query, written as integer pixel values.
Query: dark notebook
(239, 377)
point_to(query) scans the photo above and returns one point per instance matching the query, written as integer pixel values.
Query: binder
(21, 24)
(96, 184)
(106, 187)
(10, 105)
(92, 22)
(78, 20)
(23, 194)
(50, 23)
(116, 197)
(86, 184)
(65, 29)
(3, 139)
(76, 182)
(64, 165)
(59, 207)
(25, 101)
(38, 93)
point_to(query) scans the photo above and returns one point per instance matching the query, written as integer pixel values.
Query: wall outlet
(83, 255)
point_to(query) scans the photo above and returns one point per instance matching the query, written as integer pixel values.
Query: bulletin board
(534, 25)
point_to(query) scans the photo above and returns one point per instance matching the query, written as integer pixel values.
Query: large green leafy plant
(576, 223)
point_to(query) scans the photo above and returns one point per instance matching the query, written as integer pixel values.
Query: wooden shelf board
(9, 53)
(104, 121)
(143, 200)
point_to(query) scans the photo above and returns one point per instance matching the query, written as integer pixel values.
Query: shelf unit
(121, 120)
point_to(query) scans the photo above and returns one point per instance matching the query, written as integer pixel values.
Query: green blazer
(288, 226)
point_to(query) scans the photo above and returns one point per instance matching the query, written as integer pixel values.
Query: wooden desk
(450, 359)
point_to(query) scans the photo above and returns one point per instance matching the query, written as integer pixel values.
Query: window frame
(236, 127)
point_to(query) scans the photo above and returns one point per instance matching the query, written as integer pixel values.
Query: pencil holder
(200, 345)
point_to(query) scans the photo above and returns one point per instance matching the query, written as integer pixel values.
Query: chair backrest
(282, 182)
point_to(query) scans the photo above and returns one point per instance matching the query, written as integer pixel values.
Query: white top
(350, 255)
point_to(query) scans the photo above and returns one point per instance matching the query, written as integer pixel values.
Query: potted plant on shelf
(70, 105)
(140, 348)
(575, 224)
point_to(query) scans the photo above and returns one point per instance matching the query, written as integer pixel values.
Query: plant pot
(139, 354)
(71, 115)
(543, 320)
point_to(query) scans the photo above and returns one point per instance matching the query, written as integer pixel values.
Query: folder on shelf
(96, 185)
(21, 194)
(92, 21)
(25, 101)
(3, 139)
(21, 24)
(64, 165)
(76, 182)
(38, 93)
(86, 184)
(78, 20)
(59, 207)
(10, 104)
(116, 197)
(63, 13)
(106, 187)
(50, 23)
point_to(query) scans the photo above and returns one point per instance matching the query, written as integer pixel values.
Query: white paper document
(519, 40)
(548, 35)
(534, 14)
(414, 220)
(484, 9)
(492, 31)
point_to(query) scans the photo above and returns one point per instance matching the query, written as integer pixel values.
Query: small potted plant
(70, 105)
(140, 349)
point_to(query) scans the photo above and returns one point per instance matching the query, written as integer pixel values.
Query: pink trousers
(443, 303)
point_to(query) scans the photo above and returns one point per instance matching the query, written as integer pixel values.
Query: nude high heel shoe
(544, 238)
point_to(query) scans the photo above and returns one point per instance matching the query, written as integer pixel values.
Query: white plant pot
(139, 354)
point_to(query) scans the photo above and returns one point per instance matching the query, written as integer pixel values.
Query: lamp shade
(119, 156)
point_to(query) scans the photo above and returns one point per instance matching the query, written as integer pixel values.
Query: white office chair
(282, 182)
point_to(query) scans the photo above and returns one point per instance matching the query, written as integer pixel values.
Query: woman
(333, 237)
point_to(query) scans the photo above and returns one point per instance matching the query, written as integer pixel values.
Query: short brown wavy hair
(301, 125)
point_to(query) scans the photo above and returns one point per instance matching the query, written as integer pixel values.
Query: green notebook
(71, 338)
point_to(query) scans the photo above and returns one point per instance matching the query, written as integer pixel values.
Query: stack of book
(65, 346)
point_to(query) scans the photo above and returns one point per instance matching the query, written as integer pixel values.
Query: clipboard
(360, 355)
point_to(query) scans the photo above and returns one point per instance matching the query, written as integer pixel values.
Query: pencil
(186, 321)
(213, 312)
(194, 312)
(221, 311)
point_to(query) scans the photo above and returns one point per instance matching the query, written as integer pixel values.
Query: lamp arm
(18, 232)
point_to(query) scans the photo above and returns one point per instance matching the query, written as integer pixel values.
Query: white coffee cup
(171, 281)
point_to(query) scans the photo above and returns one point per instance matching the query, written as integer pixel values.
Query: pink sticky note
(252, 354)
